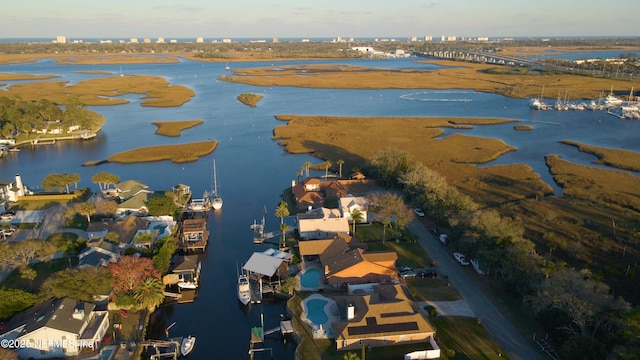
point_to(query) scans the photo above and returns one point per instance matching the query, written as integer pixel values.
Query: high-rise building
(61, 39)
(199, 40)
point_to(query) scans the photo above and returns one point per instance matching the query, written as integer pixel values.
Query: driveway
(501, 330)
(49, 221)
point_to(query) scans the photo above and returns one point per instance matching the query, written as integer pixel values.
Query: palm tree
(149, 294)
(282, 211)
(356, 216)
(307, 166)
(340, 162)
(327, 165)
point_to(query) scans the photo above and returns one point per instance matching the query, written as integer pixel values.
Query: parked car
(404, 268)
(476, 267)
(8, 215)
(443, 238)
(418, 212)
(7, 232)
(407, 274)
(427, 273)
(461, 258)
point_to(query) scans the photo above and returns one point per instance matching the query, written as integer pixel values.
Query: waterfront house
(321, 223)
(12, 190)
(346, 261)
(133, 197)
(313, 193)
(350, 203)
(384, 317)
(344, 265)
(56, 328)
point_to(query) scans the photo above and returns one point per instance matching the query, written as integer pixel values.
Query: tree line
(586, 318)
(25, 117)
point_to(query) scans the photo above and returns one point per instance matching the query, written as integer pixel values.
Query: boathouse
(193, 235)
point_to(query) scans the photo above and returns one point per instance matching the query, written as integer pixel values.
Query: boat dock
(193, 235)
(163, 349)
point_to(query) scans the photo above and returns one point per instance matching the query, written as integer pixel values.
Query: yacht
(244, 289)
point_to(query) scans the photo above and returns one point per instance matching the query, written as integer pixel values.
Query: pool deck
(321, 331)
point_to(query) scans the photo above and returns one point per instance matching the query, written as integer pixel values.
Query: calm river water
(253, 170)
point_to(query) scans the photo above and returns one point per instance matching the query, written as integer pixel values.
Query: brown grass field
(249, 99)
(617, 158)
(14, 77)
(455, 75)
(176, 153)
(175, 128)
(104, 91)
(355, 139)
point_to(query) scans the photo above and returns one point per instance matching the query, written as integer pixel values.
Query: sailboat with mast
(216, 200)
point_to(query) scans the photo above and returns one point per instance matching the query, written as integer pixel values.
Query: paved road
(501, 330)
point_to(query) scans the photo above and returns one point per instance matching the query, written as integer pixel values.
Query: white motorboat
(187, 345)
(244, 289)
(216, 200)
(191, 285)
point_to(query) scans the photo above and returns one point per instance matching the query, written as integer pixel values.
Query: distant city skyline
(330, 18)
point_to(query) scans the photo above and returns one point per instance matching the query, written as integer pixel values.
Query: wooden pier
(164, 349)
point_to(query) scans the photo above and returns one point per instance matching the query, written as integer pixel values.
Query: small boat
(244, 289)
(187, 345)
(227, 67)
(187, 285)
(216, 200)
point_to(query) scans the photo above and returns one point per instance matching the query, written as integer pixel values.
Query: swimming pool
(319, 312)
(315, 311)
(310, 278)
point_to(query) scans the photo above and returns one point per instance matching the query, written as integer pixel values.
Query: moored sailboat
(216, 200)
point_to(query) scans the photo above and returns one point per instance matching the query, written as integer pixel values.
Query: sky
(265, 19)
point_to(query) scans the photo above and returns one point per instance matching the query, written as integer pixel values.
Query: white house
(56, 328)
(349, 203)
(11, 190)
(321, 223)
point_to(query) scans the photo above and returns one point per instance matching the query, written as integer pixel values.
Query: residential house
(10, 191)
(56, 328)
(321, 223)
(126, 229)
(98, 253)
(350, 203)
(346, 261)
(133, 197)
(385, 317)
(313, 193)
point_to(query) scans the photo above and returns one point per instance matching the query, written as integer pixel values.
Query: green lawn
(43, 269)
(463, 338)
(431, 290)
